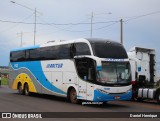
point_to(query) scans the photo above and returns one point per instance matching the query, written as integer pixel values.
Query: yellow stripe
(24, 78)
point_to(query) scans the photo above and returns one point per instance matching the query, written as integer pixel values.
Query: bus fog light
(129, 90)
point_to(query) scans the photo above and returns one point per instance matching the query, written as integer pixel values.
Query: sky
(141, 22)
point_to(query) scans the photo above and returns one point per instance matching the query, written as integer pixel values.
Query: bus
(96, 70)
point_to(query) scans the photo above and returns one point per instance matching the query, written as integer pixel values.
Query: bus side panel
(34, 72)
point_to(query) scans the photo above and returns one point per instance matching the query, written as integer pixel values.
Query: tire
(73, 96)
(105, 103)
(26, 90)
(158, 97)
(20, 90)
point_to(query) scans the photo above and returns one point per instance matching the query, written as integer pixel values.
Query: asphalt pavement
(11, 101)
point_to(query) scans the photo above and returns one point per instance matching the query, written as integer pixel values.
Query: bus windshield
(114, 73)
(109, 50)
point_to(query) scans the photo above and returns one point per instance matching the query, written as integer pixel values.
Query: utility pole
(121, 31)
(91, 23)
(92, 16)
(35, 26)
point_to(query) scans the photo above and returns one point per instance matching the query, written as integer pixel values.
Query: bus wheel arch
(26, 89)
(19, 88)
(72, 95)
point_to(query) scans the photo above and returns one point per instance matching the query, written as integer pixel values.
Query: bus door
(82, 87)
(91, 78)
(82, 80)
(86, 71)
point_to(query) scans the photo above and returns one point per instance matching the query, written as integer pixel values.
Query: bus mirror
(90, 74)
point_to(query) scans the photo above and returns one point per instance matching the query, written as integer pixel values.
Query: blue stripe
(99, 68)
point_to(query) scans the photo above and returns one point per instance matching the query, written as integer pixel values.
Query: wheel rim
(20, 89)
(73, 96)
(26, 90)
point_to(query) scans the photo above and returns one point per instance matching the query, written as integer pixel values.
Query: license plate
(117, 97)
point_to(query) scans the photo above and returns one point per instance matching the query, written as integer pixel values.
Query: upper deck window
(17, 56)
(109, 50)
(44, 53)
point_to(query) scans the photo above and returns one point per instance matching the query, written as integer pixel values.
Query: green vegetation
(4, 81)
(4, 74)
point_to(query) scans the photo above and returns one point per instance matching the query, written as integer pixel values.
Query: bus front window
(114, 73)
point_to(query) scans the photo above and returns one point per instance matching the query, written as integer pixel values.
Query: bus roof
(99, 40)
(58, 42)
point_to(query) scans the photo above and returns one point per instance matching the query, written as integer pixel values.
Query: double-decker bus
(83, 69)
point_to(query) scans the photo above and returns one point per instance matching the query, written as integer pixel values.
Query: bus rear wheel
(26, 89)
(20, 90)
(73, 96)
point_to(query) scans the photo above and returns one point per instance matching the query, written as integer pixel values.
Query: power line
(24, 19)
(21, 22)
(73, 24)
(107, 25)
(140, 16)
(65, 29)
(81, 23)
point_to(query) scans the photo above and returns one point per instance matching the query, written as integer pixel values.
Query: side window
(49, 53)
(34, 54)
(17, 56)
(82, 49)
(54, 51)
(45, 53)
(27, 55)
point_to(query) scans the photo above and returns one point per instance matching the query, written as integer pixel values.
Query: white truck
(143, 69)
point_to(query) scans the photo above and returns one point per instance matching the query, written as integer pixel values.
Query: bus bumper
(100, 96)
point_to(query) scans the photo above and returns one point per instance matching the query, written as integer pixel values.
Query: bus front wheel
(26, 89)
(73, 96)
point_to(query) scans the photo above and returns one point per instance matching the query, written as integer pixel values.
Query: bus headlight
(129, 90)
(102, 91)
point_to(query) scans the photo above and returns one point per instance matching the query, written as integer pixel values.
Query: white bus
(83, 69)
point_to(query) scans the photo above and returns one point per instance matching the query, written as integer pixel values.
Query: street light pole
(121, 33)
(35, 19)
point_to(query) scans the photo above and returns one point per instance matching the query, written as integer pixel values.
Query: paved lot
(11, 101)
